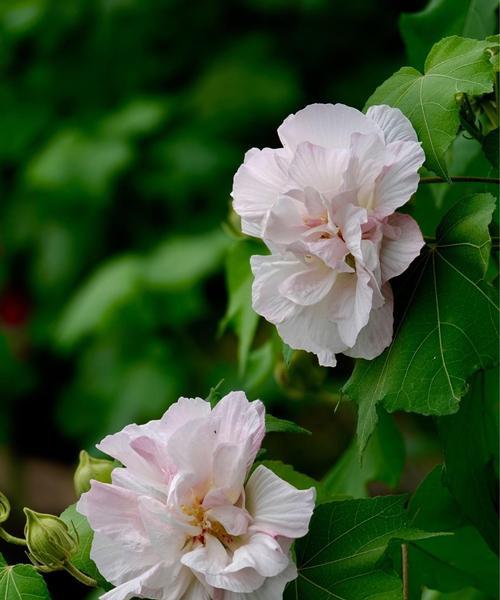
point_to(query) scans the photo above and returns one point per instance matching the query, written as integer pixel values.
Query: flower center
(206, 524)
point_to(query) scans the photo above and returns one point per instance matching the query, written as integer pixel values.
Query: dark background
(122, 123)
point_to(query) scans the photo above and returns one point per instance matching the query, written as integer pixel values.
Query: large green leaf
(447, 325)
(469, 469)
(339, 558)
(383, 461)
(453, 65)
(21, 582)
(452, 562)
(440, 18)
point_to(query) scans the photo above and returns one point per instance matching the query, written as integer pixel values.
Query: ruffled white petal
(208, 559)
(236, 420)
(374, 338)
(277, 507)
(401, 247)
(319, 168)
(256, 186)
(361, 305)
(269, 273)
(185, 410)
(395, 126)
(327, 125)
(399, 181)
(271, 589)
(313, 331)
(308, 286)
(261, 553)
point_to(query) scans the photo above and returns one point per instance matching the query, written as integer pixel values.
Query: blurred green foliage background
(122, 123)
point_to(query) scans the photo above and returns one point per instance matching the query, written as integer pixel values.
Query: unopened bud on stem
(91, 468)
(50, 542)
(4, 508)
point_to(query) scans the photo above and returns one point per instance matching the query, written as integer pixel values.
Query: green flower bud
(91, 468)
(4, 508)
(50, 542)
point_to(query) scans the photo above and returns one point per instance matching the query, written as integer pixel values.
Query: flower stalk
(461, 179)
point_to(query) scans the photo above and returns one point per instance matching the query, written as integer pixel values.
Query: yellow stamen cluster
(207, 526)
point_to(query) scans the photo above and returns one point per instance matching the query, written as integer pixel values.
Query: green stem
(77, 574)
(405, 574)
(11, 539)
(461, 179)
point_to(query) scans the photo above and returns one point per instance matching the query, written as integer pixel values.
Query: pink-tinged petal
(350, 327)
(374, 338)
(401, 249)
(399, 181)
(318, 168)
(312, 331)
(120, 563)
(125, 478)
(271, 589)
(234, 520)
(395, 126)
(261, 553)
(184, 411)
(190, 449)
(269, 273)
(310, 285)
(152, 584)
(257, 184)
(237, 420)
(285, 221)
(230, 467)
(331, 251)
(114, 511)
(135, 587)
(277, 507)
(350, 219)
(119, 446)
(208, 559)
(368, 157)
(327, 125)
(342, 297)
(245, 581)
(167, 534)
(188, 488)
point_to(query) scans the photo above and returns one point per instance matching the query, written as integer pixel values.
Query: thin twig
(461, 179)
(404, 562)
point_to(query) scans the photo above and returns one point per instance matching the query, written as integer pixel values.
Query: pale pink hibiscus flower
(324, 205)
(183, 521)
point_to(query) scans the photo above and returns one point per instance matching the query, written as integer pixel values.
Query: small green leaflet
(287, 354)
(275, 425)
(240, 314)
(447, 330)
(339, 558)
(20, 582)
(453, 65)
(440, 18)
